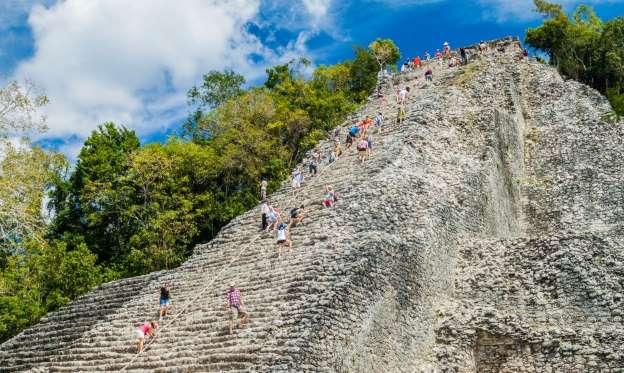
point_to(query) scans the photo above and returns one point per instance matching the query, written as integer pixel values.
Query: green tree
(385, 52)
(174, 192)
(582, 47)
(91, 203)
(217, 87)
(43, 278)
(363, 71)
(25, 175)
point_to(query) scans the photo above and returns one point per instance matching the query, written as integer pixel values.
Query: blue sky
(132, 62)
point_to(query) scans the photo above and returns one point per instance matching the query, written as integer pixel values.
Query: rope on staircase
(210, 283)
(223, 269)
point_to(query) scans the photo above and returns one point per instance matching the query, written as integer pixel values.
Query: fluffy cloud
(132, 61)
(522, 10)
(12, 11)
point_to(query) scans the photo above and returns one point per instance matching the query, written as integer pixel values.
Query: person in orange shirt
(417, 62)
(364, 124)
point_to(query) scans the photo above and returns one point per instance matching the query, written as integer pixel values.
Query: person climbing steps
(165, 301)
(297, 179)
(283, 238)
(362, 148)
(297, 215)
(273, 218)
(145, 330)
(265, 209)
(379, 121)
(315, 160)
(236, 308)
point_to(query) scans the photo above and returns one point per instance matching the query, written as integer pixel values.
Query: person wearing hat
(235, 307)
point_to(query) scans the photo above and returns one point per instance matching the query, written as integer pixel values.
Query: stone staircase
(370, 285)
(95, 332)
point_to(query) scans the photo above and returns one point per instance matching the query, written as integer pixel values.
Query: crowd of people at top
(360, 134)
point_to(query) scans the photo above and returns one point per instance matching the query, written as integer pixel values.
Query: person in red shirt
(235, 307)
(147, 329)
(417, 61)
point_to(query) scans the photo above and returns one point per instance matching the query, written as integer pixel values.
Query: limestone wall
(483, 235)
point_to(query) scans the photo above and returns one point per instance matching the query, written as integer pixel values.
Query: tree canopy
(583, 47)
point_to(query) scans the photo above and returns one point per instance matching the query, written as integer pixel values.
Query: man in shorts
(236, 307)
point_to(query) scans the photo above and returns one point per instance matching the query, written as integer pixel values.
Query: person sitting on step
(145, 330)
(236, 307)
(330, 196)
(283, 238)
(297, 215)
(165, 301)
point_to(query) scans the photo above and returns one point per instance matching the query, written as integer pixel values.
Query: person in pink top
(362, 148)
(235, 307)
(147, 329)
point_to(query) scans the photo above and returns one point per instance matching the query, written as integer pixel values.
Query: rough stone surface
(484, 235)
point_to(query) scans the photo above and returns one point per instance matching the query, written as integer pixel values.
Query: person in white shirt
(283, 238)
(402, 96)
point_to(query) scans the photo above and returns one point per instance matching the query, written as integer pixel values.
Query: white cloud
(12, 11)
(317, 8)
(522, 10)
(132, 61)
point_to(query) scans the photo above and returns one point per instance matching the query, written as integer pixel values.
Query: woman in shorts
(273, 217)
(362, 148)
(165, 301)
(283, 238)
(147, 329)
(329, 199)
